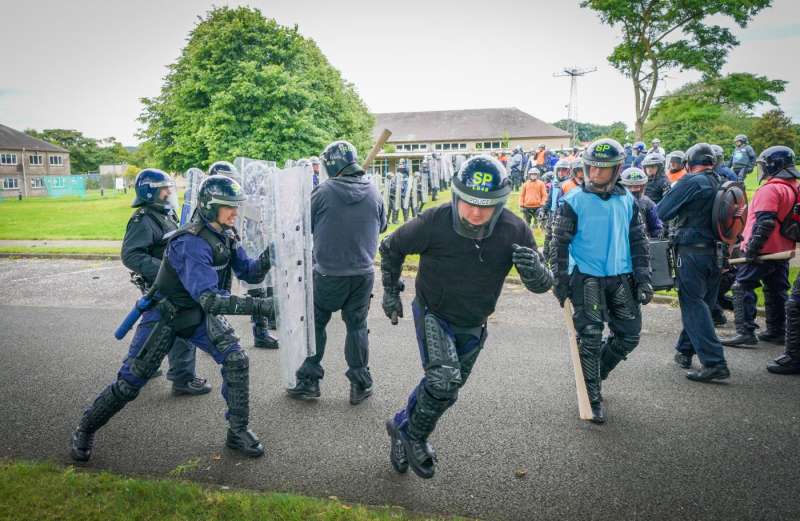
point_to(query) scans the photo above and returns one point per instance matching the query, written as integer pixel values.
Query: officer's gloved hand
(532, 271)
(751, 254)
(644, 292)
(561, 289)
(264, 261)
(392, 305)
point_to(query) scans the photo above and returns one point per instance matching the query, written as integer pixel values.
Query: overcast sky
(84, 64)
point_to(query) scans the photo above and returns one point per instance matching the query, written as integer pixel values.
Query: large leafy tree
(661, 35)
(712, 110)
(246, 86)
(774, 128)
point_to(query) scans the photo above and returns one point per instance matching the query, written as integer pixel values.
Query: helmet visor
(465, 225)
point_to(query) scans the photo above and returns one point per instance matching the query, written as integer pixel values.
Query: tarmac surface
(512, 448)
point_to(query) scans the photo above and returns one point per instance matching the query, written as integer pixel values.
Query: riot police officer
(635, 180)
(515, 168)
(691, 201)
(720, 168)
(743, 158)
(600, 259)
(347, 216)
(657, 183)
(772, 203)
(467, 248)
(142, 249)
(192, 295)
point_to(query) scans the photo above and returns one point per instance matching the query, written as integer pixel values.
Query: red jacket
(778, 196)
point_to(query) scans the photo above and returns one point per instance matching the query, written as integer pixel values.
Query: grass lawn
(45, 491)
(104, 218)
(90, 217)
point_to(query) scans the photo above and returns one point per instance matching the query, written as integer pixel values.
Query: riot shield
(387, 184)
(407, 183)
(423, 187)
(435, 169)
(398, 191)
(288, 226)
(413, 186)
(194, 177)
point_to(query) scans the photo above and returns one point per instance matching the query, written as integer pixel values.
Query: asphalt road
(512, 448)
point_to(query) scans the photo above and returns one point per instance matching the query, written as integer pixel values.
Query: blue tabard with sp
(601, 246)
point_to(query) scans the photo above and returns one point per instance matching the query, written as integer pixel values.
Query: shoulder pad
(137, 215)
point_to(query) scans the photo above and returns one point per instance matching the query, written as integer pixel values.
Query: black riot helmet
(481, 181)
(700, 154)
(777, 161)
(340, 158)
(602, 153)
(216, 191)
(225, 168)
(148, 184)
(719, 155)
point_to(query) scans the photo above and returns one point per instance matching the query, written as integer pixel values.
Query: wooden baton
(584, 409)
(781, 255)
(377, 148)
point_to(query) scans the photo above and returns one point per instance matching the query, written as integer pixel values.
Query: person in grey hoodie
(347, 216)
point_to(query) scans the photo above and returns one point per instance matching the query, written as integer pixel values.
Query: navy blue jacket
(691, 200)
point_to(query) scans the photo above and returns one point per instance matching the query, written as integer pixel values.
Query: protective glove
(392, 305)
(644, 293)
(561, 289)
(751, 254)
(532, 271)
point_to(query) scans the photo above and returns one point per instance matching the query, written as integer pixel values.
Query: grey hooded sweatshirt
(347, 216)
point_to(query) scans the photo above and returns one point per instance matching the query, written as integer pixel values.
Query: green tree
(246, 86)
(660, 35)
(712, 110)
(590, 131)
(774, 128)
(85, 154)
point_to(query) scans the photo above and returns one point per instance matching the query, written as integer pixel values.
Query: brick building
(25, 161)
(467, 132)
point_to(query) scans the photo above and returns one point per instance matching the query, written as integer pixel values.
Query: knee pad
(155, 348)
(124, 390)
(236, 368)
(591, 336)
(443, 382)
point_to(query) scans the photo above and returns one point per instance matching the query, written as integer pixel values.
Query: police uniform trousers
(698, 286)
(448, 354)
(351, 295)
(774, 275)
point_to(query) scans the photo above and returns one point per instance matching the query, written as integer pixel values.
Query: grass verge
(46, 491)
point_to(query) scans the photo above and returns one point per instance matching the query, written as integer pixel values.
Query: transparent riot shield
(435, 169)
(407, 183)
(423, 181)
(398, 191)
(387, 182)
(288, 226)
(194, 177)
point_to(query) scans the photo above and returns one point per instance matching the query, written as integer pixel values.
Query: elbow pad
(215, 304)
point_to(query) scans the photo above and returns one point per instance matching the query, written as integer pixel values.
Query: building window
(10, 183)
(379, 167)
(36, 182)
(56, 160)
(450, 146)
(415, 165)
(411, 147)
(58, 182)
(462, 146)
(35, 160)
(8, 159)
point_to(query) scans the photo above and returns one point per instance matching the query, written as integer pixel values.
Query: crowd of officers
(599, 211)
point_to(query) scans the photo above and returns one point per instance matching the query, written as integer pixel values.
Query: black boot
(775, 311)
(789, 362)
(683, 360)
(420, 454)
(744, 324)
(598, 413)
(262, 337)
(236, 375)
(590, 362)
(718, 316)
(305, 389)
(243, 439)
(108, 403)
(358, 393)
(194, 387)
(397, 452)
(707, 374)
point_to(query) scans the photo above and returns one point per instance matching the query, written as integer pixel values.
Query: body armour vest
(163, 222)
(601, 245)
(168, 282)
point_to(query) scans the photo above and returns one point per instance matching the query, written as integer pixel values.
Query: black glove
(751, 254)
(263, 261)
(526, 260)
(561, 289)
(644, 292)
(392, 305)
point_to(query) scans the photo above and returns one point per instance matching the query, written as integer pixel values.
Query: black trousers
(351, 295)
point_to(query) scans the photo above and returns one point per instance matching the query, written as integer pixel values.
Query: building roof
(453, 125)
(11, 139)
